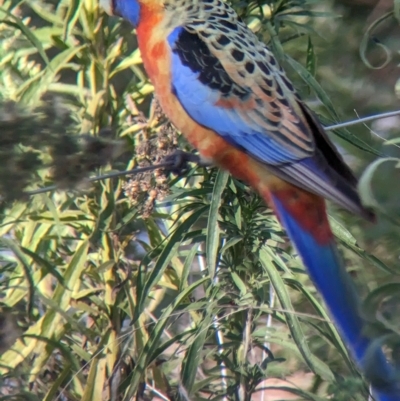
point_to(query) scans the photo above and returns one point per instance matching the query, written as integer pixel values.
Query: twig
(114, 174)
(269, 324)
(171, 164)
(362, 120)
(157, 393)
(218, 332)
(376, 134)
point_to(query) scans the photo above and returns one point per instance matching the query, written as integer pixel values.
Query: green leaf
(366, 39)
(193, 355)
(72, 17)
(287, 344)
(187, 267)
(377, 297)
(313, 84)
(230, 243)
(347, 239)
(60, 380)
(18, 24)
(239, 283)
(169, 251)
(311, 58)
(332, 332)
(266, 258)
(365, 185)
(44, 263)
(397, 10)
(13, 246)
(33, 88)
(147, 354)
(303, 394)
(97, 377)
(212, 237)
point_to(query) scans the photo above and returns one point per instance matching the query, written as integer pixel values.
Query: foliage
(176, 286)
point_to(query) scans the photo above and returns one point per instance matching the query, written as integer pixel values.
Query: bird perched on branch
(224, 90)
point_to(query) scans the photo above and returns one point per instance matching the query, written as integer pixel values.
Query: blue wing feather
(200, 101)
(200, 82)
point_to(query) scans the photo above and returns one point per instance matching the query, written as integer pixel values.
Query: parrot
(225, 91)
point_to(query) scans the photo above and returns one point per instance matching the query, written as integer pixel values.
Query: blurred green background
(163, 286)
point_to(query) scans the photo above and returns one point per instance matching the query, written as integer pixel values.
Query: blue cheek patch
(128, 9)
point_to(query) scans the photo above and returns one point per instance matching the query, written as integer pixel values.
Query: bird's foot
(179, 161)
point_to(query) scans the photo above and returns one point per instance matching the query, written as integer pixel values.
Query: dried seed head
(153, 144)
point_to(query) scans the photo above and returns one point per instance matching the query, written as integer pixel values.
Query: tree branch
(172, 164)
(362, 120)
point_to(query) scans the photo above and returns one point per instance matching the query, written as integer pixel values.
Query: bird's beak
(107, 6)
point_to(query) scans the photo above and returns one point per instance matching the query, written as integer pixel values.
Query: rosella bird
(224, 90)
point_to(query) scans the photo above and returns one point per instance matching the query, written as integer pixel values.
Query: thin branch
(114, 174)
(157, 392)
(362, 120)
(172, 164)
(376, 134)
(267, 344)
(219, 336)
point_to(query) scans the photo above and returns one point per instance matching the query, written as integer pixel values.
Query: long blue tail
(329, 276)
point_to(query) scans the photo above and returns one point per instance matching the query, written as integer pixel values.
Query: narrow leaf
(212, 238)
(299, 338)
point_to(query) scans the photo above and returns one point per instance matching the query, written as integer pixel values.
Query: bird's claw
(179, 161)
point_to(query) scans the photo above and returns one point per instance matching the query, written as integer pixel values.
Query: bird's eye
(107, 6)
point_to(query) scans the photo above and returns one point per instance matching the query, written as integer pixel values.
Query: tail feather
(321, 258)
